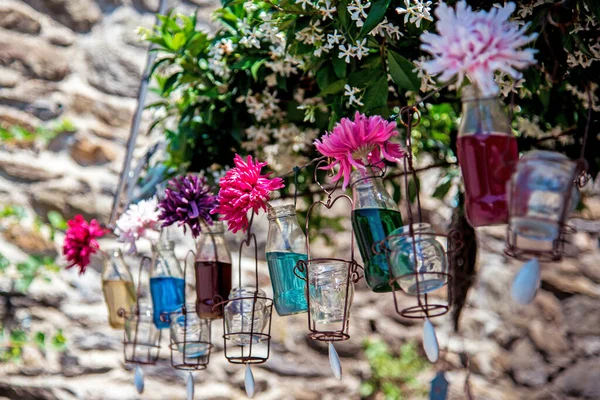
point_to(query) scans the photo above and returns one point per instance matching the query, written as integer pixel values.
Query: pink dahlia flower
(358, 143)
(80, 241)
(242, 189)
(477, 44)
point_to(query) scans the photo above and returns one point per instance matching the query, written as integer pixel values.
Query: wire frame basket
(190, 340)
(251, 342)
(328, 323)
(141, 338)
(519, 248)
(426, 306)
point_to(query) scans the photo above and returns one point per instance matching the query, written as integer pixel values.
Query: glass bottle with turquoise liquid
(374, 217)
(167, 285)
(286, 245)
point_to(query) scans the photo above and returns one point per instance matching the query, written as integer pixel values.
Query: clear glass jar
(286, 245)
(487, 155)
(189, 332)
(542, 195)
(330, 290)
(142, 338)
(213, 271)
(118, 288)
(167, 285)
(429, 267)
(374, 216)
(238, 315)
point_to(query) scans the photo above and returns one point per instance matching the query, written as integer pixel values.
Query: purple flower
(188, 201)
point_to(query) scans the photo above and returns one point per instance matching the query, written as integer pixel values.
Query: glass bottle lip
(364, 176)
(166, 245)
(286, 210)
(115, 252)
(217, 227)
(245, 291)
(471, 93)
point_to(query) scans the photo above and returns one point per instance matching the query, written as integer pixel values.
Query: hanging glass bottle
(213, 271)
(117, 285)
(246, 315)
(374, 217)
(488, 155)
(286, 245)
(167, 285)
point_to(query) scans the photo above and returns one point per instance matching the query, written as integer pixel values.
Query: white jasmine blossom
(415, 11)
(334, 38)
(357, 12)
(361, 49)
(304, 3)
(327, 10)
(346, 53)
(271, 80)
(351, 93)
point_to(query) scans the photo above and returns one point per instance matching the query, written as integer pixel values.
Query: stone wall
(81, 60)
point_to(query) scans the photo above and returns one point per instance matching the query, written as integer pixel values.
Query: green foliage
(12, 343)
(21, 135)
(393, 377)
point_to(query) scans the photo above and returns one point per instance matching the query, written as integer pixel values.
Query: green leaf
(343, 15)
(402, 73)
(56, 220)
(339, 66)
(333, 88)
(59, 341)
(376, 94)
(178, 41)
(40, 339)
(255, 67)
(378, 9)
(442, 190)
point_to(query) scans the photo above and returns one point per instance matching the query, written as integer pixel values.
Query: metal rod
(137, 119)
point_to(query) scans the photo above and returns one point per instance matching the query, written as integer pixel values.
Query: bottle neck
(481, 116)
(368, 190)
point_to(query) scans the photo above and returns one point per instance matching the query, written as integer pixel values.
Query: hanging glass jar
(167, 285)
(213, 271)
(418, 257)
(542, 195)
(117, 285)
(286, 245)
(246, 315)
(488, 155)
(374, 216)
(331, 290)
(190, 334)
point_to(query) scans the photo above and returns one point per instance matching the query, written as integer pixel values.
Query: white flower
(415, 13)
(244, 26)
(357, 11)
(304, 3)
(271, 80)
(327, 10)
(361, 49)
(392, 30)
(427, 82)
(351, 93)
(476, 44)
(250, 6)
(251, 39)
(140, 220)
(346, 52)
(309, 112)
(507, 84)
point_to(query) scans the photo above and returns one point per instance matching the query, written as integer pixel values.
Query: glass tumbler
(239, 324)
(330, 291)
(190, 333)
(142, 338)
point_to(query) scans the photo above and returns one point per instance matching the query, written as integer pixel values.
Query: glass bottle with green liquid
(374, 217)
(286, 245)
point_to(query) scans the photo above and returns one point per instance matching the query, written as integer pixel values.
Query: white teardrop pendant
(430, 342)
(190, 387)
(334, 362)
(249, 381)
(526, 282)
(138, 379)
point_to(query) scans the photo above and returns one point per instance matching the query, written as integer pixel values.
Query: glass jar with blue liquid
(167, 285)
(374, 217)
(286, 245)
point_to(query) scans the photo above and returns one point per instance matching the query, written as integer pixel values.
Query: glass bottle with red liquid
(487, 155)
(213, 271)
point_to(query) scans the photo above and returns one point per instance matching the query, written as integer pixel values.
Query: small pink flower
(80, 241)
(140, 220)
(243, 188)
(477, 44)
(358, 143)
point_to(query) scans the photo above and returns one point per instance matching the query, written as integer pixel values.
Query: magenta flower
(477, 44)
(358, 143)
(80, 241)
(188, 201)
(243, 188)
